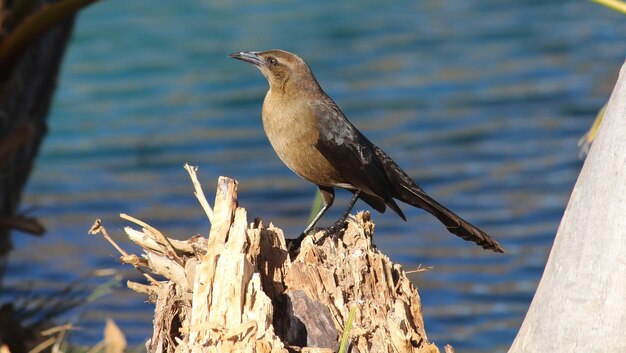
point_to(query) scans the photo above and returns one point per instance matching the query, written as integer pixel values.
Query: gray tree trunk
(580, 304)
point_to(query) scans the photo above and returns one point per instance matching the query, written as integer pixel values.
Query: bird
(313, 138)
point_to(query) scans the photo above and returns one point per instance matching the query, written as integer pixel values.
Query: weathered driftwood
(580, 304)
(241, 290)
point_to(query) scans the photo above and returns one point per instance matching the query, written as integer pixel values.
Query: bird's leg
(328, 196)
(315, 220)
(334, 229)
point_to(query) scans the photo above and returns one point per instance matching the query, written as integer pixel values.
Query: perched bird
(316, 141)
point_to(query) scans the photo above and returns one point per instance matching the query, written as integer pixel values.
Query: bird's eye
(271, 61)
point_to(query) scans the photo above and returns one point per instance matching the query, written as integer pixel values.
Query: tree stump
(241, 290)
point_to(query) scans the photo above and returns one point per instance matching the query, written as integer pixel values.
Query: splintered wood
(242, 291)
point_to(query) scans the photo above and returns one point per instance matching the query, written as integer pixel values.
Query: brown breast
(292, 129)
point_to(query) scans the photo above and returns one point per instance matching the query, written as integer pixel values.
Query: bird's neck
(291, 90)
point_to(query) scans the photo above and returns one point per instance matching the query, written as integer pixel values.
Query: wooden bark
(242, 291)
(580, 304)
(25, 96)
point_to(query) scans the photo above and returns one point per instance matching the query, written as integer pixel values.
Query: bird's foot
(332, 231)
(293, 245)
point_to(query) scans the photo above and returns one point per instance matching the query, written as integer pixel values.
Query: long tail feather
(455, 224)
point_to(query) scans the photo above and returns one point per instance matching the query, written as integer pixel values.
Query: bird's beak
(251, 57)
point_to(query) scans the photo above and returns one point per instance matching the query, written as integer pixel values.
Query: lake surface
(481, 102)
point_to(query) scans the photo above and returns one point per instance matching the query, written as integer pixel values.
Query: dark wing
(343, 145)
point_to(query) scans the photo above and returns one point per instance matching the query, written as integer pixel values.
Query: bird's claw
(321, 240)
(294, 244)
(332, 231)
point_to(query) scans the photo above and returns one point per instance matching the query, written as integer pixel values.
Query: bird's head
(281, 68)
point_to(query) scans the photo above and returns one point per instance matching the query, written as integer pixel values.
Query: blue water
(482, 102)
